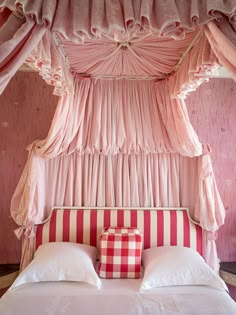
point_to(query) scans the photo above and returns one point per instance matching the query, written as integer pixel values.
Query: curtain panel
(17, 39)
(222, 39)
(119, 116)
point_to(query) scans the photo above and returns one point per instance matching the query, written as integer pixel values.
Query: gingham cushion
(120, 253)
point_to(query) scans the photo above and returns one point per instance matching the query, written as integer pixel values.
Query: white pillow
(61, 261)
(173, 265)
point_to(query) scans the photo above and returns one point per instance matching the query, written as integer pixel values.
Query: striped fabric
(158, 226)
(120, 253)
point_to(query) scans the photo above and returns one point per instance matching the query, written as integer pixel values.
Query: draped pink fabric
(77, 20)
(17, 39)
(121, 20)
(24, 41)
(209, 198)
(119, 116)
(147, 57)
(49, 60)
(198, 65)
(223, 42)
(120, 119)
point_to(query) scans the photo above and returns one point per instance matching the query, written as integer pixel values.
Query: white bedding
(117, 297)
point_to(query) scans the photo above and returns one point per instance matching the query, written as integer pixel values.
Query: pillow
(120, 253)
(61, 261)
(173, 265)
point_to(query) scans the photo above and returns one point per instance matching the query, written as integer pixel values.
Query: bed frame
(159, 226)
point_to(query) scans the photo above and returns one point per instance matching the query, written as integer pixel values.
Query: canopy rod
(120, 77)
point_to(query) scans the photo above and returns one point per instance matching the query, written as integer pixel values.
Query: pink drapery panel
(48, 59)
(198, 65)
(77, 20)
(208, 197)
(119, 116)
(121, 180)
(209, 209)
(17, 38)
(222, 39)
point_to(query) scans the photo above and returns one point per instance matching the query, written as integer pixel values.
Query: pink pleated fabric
(77, 20)
(120, 116)
(17, 39)
(49, 60)
(209, 209)
(198, 65)
(222, 39)
(146, 57)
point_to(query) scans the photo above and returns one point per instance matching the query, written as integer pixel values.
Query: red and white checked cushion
(120, 253)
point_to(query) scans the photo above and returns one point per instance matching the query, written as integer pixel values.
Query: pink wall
(212, 111)
(26, 116)
(26, 110)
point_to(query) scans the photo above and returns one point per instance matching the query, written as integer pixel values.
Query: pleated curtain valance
(119, 116)
(77, 20)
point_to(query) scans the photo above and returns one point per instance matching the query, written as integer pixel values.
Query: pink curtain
(222, 39)
(17, 39)
(197, 66)
(50, 61)
(105, 118)
(112, 116)
(209, 210)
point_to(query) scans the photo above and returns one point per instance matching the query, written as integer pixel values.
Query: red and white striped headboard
(84, 225)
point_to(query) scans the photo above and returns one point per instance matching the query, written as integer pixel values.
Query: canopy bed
(120, 137)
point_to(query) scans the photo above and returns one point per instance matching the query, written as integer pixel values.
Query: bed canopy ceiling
(121, 135)
(144, 56)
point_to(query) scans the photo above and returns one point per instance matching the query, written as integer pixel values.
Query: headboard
(159, 226)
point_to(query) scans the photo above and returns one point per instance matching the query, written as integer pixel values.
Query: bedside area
(228, 272)
(8, 273)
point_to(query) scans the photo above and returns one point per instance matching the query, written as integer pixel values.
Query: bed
(63, 277)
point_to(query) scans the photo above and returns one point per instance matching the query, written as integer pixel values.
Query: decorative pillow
(173, 265)
(120, 253)
(61, 261)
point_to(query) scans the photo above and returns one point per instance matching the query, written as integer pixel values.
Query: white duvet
(117, 297)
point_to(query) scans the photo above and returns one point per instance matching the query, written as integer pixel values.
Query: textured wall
(212, 111)
(26, 110)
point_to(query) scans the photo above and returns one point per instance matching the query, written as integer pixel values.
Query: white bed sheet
(117, 297)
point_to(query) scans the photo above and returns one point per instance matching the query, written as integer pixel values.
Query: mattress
(116, 297)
